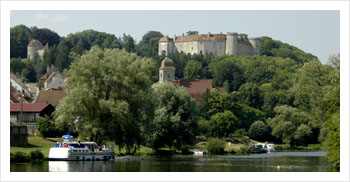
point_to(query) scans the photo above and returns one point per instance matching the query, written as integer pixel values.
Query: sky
(313, 31)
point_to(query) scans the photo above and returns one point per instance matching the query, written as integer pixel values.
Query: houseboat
(80, 151)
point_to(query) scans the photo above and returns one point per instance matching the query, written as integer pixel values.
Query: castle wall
(164, 45)
(187, 47)
(217, 48)
(234, 45)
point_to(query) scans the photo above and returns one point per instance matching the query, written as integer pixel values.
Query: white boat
(198, 152)
(270, 147)
(80, 151)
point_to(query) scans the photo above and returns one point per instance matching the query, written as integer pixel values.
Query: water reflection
(270, 162)
(81, 166)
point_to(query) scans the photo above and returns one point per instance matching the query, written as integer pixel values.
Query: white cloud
(50, 17)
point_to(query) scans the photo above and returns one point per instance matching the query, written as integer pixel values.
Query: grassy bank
(37, 143)
(44, 144)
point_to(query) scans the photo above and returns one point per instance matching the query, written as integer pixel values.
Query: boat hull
(65, 154)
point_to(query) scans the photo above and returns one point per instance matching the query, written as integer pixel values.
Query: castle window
(216, 53)
(161, 75)
(201, 52)
(192, 48)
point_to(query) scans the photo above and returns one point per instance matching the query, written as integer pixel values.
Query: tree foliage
(45, 35)
(270, 47)
(259, 131)
(175, 121)
(223, 124)
(20, 37)
(108, 97)
(193, 70)
(291, 125)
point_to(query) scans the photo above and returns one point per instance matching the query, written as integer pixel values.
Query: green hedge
(21, 157)
(216, 146)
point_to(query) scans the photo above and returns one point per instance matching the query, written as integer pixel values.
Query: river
(287, 161)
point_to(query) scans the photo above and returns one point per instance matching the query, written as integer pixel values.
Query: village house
(30, 114)
(53, 79)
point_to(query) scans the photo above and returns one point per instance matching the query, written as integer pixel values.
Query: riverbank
(36, 143)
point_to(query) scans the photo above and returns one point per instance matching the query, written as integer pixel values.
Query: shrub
(19, 157)
(36, 155)
(243, 150)
(216, 146)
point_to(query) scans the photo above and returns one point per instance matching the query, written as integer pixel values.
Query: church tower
(167, 70)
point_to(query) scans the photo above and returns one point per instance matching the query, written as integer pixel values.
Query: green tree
(223, 124)
(259, 131)
(20, 37)
(45, 35)
(175, 121)
(128, 43)
(148, 46)
(216, 146)
(250, 95)
(192, 32)
(270, 47)
(193, 70)
(108, 97)
(291, 125)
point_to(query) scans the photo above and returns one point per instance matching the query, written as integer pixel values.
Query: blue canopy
(67, 137)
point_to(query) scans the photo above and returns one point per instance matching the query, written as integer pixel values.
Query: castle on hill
(217, 44)
(35, 49)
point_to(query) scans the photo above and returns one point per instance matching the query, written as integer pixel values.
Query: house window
(201, 52)
(216, 53)
(168, 75)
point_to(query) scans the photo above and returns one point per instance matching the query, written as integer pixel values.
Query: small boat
(80, 151)
(198, 152)
(262, 148)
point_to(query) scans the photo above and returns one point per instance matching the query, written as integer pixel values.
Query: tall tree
(108, 97)
(291, 125)
(45, 35)
(20, 37)
(148, 46)
(223, 124)
(175, 122)
(128, 43)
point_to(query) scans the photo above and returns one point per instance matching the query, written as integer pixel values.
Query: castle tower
(256, 45)
(32, 48)
(166, 70)
(166, 45)
(232, 43)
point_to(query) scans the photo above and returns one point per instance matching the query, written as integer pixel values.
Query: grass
(37, 143)
(235, 147)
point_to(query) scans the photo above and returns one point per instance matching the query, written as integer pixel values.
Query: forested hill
(62, 50)
(270, 47)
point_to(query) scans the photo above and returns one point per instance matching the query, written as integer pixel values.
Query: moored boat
(198, 152)
(80, 151)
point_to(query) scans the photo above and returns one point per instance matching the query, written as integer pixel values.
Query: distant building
(16, 87)
(52, 97)
(195, 88)
(53, 79)
(30, 114)
(35, 49)
(217, 44)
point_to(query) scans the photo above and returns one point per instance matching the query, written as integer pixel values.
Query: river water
(292, 161)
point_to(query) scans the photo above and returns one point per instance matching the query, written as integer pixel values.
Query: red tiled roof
(203, 37)
(196, 88)
(165, 39)
(52, 97)
(28, 107)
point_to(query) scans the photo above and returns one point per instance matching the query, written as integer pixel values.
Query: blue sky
(316, 32)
